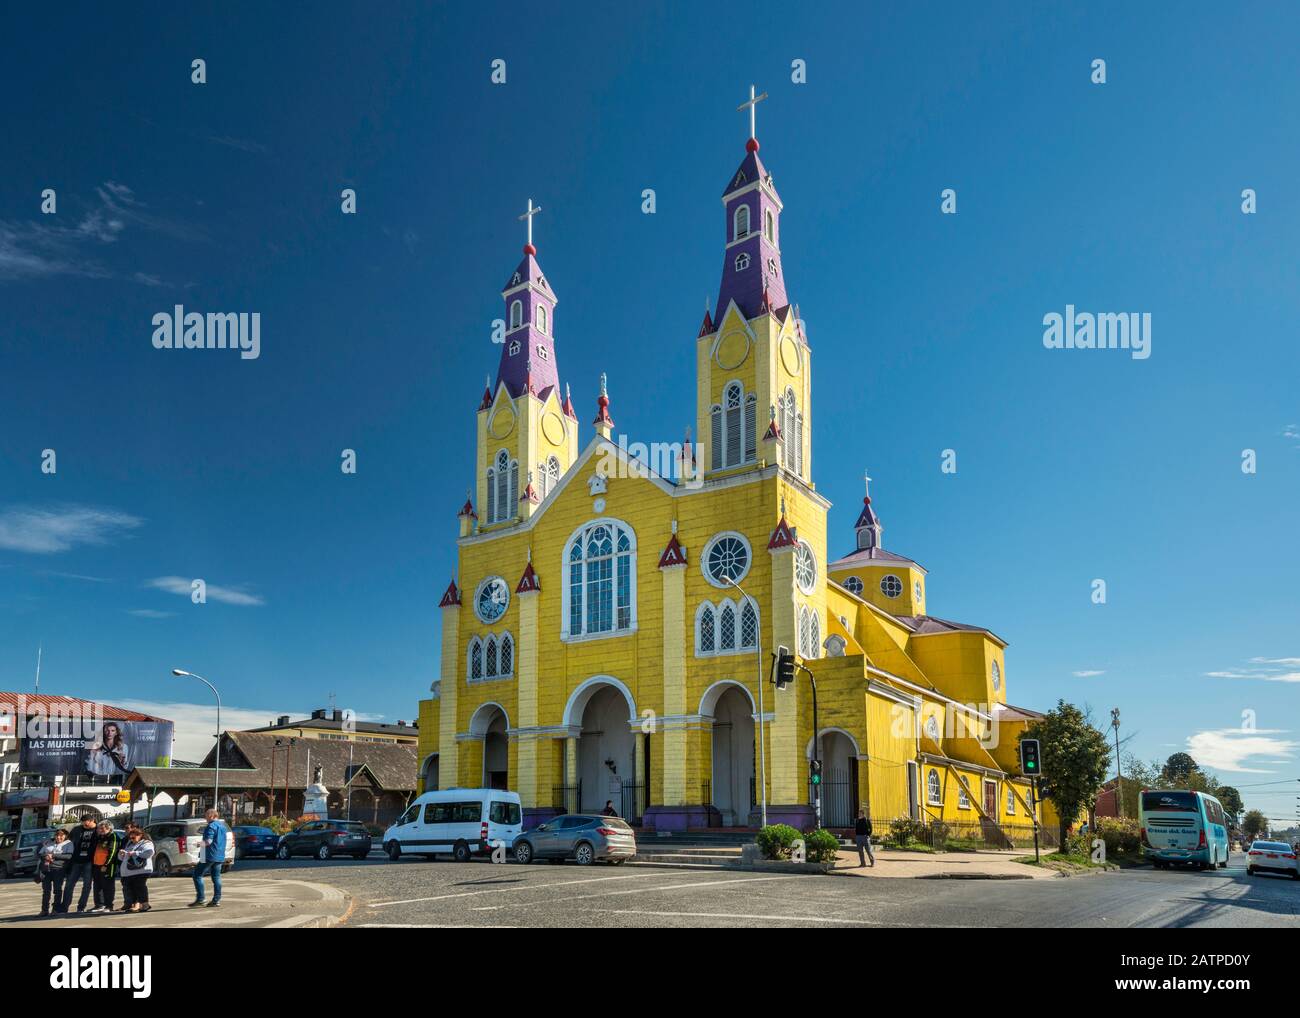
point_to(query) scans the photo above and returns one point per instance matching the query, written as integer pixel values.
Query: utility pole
(1119, 777)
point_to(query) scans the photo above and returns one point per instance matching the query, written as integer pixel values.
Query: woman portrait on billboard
(111, 754)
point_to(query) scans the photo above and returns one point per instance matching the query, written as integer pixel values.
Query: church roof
(926, 625)
(751, 168)
(872, 556)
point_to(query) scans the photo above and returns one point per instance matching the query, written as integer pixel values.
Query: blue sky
(926, 329)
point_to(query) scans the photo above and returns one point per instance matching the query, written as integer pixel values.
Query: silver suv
(584, 839)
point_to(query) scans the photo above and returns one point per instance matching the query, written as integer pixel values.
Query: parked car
(178, 846)
(464, 822)
(1273, 857)
(584, 839)
(255, 841)
(18, 850)
(326, 838)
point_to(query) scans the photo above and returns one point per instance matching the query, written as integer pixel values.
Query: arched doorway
(732, 786)
(490, 724)
(429, 773)
(839, 788)
(603, 710)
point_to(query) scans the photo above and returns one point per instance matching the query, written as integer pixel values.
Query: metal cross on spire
(528, 217)
(754, 100)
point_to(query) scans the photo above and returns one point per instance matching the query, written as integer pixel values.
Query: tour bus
(1183, 828)
(462, 822)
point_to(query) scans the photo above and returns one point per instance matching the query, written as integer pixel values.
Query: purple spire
(751, 265)
(530, 327)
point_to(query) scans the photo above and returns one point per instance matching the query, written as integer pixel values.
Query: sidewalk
(246, 902)
(946, 865)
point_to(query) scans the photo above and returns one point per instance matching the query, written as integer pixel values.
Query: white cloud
(197, 722)
(44, 531)
(149, 613)
(184, 587)
(1270, 670)
(1087, 673)
(1232, 749)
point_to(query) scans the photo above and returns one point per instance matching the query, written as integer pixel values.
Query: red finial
(751, 145)
(529, 249)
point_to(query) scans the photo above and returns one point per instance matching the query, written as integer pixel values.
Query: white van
(461, 821)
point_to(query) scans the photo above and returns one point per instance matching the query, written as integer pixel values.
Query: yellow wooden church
(607, 636)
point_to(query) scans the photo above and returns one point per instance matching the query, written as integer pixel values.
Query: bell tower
(752, 358)
(527, 430)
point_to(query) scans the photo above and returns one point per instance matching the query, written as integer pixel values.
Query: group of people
(96, 855)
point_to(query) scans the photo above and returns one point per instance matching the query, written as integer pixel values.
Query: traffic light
(1031, 765)
(815, 772)
(784, 674)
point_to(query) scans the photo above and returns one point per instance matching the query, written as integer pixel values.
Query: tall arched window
(733, 421)
(600, 580)
(769, 226)
(552, 473)
(741, 222)
(502, 479)
(792, 430)
(516, 313)
(705, 626)
(934, 790)
(475, 659)
(490, 657)
(541, 318)
(733, 399)
(506, 656)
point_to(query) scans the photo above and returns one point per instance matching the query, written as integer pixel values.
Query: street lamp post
(1119, 777)
(762, 741)
(216, 776)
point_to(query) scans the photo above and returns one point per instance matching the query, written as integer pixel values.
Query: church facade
(607, 635)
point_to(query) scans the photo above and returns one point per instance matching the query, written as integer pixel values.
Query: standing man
(214, 857)
(106, 865)
(862, 838)
(81, 864)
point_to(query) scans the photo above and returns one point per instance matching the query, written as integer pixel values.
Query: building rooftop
(323, 721)
(71, 704)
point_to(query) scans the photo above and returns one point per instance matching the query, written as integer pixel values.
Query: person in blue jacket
(213, 858)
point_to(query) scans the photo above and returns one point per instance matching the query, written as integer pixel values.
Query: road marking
(640, 890)
(740, 915)
(519, 887)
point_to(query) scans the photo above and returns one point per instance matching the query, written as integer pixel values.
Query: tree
(1076, 761)
(1179, 768)
(1254, 824)
(1230, 798)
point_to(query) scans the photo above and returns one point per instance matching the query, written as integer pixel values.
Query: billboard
(84, 743)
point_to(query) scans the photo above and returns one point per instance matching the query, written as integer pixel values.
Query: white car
(1272, 857)
(178, 846)
(463, 822)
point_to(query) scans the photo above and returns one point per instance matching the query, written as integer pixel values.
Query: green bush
(775, 840)
(903, 829)
(821, 846)
(1123, 837)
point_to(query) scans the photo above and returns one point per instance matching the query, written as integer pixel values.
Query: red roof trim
(674, 554)
(529, 581)
(451, 597)
(782, 537)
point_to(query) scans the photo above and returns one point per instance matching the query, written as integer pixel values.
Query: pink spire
(602, 402)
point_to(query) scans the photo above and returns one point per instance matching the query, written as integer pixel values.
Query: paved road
(249, 900)
(418, 893)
